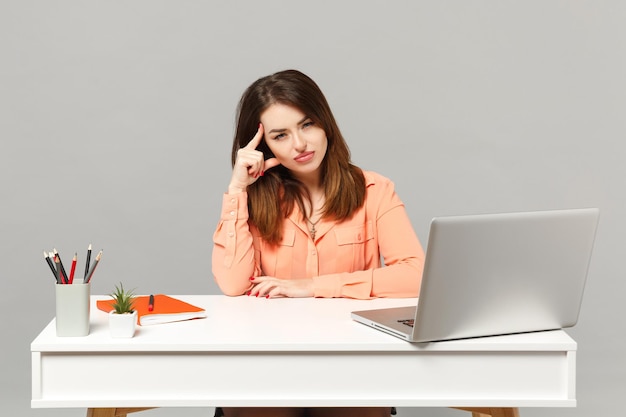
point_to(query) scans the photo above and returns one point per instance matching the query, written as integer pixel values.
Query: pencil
(58, 265)
(87, 262)
(74, 259)
(93, 267)
(50, 264)
(63, 273)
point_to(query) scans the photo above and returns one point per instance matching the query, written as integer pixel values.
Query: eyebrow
(282, 130)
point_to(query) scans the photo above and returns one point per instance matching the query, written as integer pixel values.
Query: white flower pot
(122, 325)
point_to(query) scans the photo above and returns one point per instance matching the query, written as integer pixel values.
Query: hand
(250, 164)
(270, 287)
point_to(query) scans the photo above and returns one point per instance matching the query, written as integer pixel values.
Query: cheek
(324, 145)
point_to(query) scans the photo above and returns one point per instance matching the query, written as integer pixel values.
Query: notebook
(495, 274)
(165, 309)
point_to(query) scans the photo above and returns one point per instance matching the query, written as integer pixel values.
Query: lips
(304, 157)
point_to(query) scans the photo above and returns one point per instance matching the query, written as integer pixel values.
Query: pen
(151, 303)
(93, 267)
(73, 268)
(50, 264)
(87, 262)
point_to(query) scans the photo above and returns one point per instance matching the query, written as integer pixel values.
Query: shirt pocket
(352, 244)
(277, 261)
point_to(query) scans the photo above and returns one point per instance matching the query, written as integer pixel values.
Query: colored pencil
(93, 267)
(87, 262)
(73, 269)
(58, 265)
(50, 264)
(63, 273)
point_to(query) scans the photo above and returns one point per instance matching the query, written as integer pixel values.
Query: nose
(299, 144)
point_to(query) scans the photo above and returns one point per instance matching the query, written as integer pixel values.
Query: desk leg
(491, 412)
(113, 412)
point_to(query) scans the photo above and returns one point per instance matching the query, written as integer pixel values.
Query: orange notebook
(166, 309)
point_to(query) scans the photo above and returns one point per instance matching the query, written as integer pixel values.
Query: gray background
(116, 119)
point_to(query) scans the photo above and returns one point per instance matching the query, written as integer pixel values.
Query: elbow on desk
(406, 282)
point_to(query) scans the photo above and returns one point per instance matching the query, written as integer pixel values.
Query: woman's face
(295, 140)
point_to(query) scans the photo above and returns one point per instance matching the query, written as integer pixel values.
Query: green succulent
(124, 299)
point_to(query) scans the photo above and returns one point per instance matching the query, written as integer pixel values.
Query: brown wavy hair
(272, 197)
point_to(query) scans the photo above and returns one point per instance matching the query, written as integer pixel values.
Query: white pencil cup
(72, 309)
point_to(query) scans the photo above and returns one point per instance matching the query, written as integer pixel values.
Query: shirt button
(232, 213)
(359, 237)
(313, 253)
(233, 201)
(231, 234)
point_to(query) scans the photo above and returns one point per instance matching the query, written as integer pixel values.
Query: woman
(299, 220)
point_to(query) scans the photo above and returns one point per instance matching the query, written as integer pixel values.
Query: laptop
(495, 274)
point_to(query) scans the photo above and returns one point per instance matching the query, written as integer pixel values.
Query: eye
(307, 124)
(279, 136)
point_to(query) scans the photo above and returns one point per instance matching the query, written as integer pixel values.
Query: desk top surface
(278, 325)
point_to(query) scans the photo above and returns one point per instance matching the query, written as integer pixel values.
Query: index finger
(256, 140)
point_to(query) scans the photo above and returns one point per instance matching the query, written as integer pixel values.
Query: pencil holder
(72, 309)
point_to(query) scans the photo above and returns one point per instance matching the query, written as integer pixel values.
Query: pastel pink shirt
(344, 260)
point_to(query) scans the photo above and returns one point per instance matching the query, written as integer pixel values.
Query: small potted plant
(123, 318)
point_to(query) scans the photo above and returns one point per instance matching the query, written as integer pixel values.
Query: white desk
(295, 352)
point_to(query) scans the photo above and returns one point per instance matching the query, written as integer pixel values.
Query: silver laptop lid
(504, 273)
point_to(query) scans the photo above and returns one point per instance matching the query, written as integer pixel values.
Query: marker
(151, 303)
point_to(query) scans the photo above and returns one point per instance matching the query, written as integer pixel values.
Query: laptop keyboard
(407, 322)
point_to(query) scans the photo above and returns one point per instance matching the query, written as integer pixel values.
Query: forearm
(394, 281)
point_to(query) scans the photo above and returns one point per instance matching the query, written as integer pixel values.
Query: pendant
(313, 232)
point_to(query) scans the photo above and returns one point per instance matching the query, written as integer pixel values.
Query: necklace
(312, 230)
